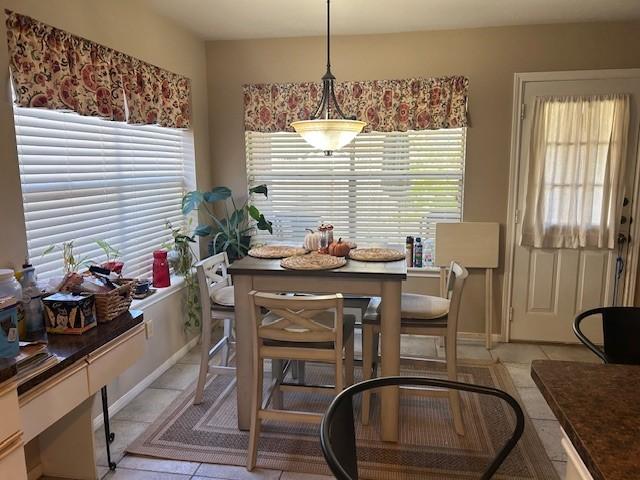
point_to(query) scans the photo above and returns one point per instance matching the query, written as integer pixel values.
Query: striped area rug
(428, 448)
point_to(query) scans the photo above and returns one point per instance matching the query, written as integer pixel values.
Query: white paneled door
(550, 286)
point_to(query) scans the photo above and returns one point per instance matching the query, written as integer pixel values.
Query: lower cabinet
(576, 469)
(12, 464)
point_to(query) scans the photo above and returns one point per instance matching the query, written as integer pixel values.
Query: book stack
(34, 358)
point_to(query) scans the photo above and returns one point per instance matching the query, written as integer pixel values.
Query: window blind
(85, 179)
(379, 189)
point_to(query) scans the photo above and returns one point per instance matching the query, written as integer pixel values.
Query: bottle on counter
(9, 341)
(161, 277)
(417, 253)
(409, 251)
(34, 327)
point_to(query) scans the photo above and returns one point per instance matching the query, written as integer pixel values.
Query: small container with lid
(10, 287)
(160, 269)
(9, 342)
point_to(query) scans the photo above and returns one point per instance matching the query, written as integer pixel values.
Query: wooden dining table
(368, 279)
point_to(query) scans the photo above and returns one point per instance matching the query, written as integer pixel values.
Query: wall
(488, 57)
(131, 28)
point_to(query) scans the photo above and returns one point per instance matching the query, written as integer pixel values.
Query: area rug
(428, 448)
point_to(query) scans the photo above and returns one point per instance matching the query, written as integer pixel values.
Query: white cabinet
(576, 469)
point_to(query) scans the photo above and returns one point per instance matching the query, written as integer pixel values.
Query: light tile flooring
(144, 409)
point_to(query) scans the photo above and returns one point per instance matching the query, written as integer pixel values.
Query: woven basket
(111, 304)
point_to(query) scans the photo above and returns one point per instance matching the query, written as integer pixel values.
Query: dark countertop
(598, 407)
(380, 270)
(7, 369)
(71, 348)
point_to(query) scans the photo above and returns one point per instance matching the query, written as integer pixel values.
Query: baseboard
(124, 400)
(480, 338)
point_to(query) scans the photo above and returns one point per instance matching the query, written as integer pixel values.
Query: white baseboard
(124, 400)
(474, 337)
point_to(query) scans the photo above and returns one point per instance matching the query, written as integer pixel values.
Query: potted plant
(71, 263)
(182, 261)
(112, 255)
(231, 232)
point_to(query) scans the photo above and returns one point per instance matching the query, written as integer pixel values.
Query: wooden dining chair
(621, 334)
(420, 315)
(217, 304)
(296, 328)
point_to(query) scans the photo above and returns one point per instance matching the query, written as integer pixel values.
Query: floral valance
(386, 105)
(51, 68)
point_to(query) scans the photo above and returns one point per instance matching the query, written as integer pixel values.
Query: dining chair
(296, 328)
(337, 430)
(621, 334)
(424, 315)
(216, 303)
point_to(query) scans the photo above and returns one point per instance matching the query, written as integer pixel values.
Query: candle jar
(160, 269)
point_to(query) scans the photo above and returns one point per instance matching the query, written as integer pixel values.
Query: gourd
(339, 248)
(312, 240)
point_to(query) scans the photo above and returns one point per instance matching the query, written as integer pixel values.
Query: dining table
(358, 278)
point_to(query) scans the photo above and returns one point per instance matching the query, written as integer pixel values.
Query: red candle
(160, 269)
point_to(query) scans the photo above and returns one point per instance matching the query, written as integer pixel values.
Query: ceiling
(240, 19)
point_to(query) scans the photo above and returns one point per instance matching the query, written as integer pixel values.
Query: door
(550, 286)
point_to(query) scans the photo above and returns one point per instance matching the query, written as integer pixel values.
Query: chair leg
(256, 405)
(348, 360)
(277, 373)
(452, 374)
(367, 364)
(205, 344)
(227, 335)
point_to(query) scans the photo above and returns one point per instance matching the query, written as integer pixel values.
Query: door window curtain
(54, 69)
(575, 184)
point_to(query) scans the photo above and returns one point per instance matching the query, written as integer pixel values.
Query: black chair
(621, 333)
(337, 431)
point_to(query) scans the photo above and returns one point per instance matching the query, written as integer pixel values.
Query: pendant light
(321, 131)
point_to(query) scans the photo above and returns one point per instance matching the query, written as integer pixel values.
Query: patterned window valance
(386, 105)
(51, 68)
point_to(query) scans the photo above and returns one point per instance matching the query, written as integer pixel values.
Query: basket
(111, 304)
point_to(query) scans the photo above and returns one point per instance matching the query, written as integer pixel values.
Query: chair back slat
(621, 334)
(296, 318)
(455, 285)
(212, 273)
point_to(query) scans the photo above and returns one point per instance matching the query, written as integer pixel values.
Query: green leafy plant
(231, 232)
(111, 253)
(183, 265)
(71, 263)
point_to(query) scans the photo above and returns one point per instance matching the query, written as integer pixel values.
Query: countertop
(598, 406)
(71, 348)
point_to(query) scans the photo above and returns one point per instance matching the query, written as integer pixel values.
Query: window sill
(177, 284)
(423, 272)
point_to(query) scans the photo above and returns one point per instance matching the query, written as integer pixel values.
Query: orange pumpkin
(339, 248)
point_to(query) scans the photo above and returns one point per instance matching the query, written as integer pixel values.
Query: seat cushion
(223, 296)
(413, 307)
(424, 307)
(325, 318)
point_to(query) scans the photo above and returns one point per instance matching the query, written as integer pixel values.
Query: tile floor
(144, 409)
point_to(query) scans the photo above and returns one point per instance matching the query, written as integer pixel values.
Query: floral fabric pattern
(386, 105)
(53, 69)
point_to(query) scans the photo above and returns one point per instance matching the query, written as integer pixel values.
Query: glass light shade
(328, 134)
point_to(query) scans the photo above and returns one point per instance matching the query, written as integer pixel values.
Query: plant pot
(232, 253)
(113, 266)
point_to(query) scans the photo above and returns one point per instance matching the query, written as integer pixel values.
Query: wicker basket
(111, 304)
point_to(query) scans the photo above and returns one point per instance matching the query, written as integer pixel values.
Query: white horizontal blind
(379, 189)
(85, 178)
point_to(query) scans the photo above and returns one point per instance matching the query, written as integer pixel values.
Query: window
(85, 179)
(379, 189)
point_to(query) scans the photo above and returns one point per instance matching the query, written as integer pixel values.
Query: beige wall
(131, 28)
(489, 57)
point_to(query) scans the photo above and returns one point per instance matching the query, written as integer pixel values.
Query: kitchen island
(598, 407)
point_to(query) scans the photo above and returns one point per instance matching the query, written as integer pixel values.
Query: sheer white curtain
(575, 183)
